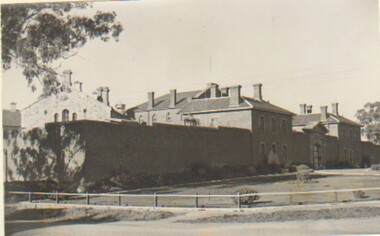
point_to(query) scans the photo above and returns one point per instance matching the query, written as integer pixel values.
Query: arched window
(65, 115)
(74, 116)
(285, 152)
(168, 117)
(273, 147)
(351, 155)
(154, 118)
(56, 117)
(263, 154)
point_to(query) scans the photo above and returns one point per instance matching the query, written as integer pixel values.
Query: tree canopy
(369, 117)
(36, 35)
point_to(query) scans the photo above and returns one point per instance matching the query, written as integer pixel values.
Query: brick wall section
(160, 148)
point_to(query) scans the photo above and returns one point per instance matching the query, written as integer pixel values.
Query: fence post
(88, 199)
(155, 200)
(196, 200)
(336, 196)
(238, 200)
(119, 200)
(30, 197)
(57, 197)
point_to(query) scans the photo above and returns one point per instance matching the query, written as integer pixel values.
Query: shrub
(248, 200)
(304, 174)
(359, 194)
(375, 167)
(303, 167)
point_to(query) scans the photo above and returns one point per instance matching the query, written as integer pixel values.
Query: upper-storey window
(273, 124)
(285, 152)
(283, 125)
(65, 115)
(74, 116)
(262, 123)
(56, 117)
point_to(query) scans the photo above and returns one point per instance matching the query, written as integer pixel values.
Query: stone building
(70, 104)
(270, 125)
(11, 118)
(322, 127)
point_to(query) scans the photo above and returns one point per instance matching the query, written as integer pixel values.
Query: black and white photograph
(190, 117)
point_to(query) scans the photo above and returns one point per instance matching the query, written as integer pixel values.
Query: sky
(302, 51)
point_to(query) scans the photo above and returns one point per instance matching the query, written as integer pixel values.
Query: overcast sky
(302, 51)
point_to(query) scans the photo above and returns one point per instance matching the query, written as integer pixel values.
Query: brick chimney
(150, 100)
(67, 77)
(302, 109)
(257, 91)
(323, 112)
(235, 97)
(213, 90)
(13, 106)
(335, 110)
(103, 95)
(78, 85)
(173, 98)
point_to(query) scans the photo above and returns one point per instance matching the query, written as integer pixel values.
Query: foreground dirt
(292, 215)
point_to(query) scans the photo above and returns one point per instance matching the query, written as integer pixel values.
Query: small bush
(375, 167)
(303, 167)
(359, 194)
(249, 200)
(304, 174)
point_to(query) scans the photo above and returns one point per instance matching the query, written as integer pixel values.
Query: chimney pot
(173, 98)
(335, 110)
(257, 91)
(309, 109)
(103, 95)
(213, 90)
(323, 112)
(150, 100)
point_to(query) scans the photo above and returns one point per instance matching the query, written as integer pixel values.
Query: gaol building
(71, 104)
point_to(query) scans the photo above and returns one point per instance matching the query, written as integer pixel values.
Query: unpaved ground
(310, 220)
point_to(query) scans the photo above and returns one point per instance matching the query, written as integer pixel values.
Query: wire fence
(196, 200)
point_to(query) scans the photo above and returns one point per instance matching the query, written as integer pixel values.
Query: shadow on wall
(39, 154)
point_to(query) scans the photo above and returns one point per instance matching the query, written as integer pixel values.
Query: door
(317, 156)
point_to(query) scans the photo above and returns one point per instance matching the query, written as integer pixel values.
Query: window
(154, 118)
(74, 116)
(274, 148)
(56, 117)
(273, 125)
(283, 125)
(356, 154)
(262, 123)
(262, 152)
(343, 134)
(285, 152)
(168, 117)
(65, 115)
(345, 154)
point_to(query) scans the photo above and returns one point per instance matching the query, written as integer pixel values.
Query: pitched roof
(267, 106)
(11, 118)
(331, 119)
(163, 102)
(315, 126)
(212, 104)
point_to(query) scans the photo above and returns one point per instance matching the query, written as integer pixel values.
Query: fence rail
(153, 199)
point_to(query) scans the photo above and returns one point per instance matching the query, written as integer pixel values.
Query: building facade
(70, 104)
